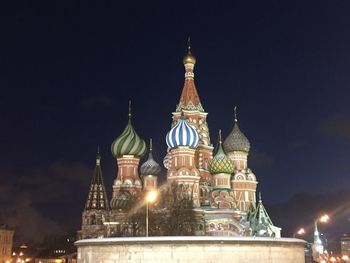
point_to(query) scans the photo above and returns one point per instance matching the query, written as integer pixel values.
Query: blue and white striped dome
(182, 134)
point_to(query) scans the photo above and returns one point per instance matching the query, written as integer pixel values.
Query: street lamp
(150, 198)
(301, 231)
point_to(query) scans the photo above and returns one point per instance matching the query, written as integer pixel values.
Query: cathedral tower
(96, 208)
(182, 141)
(243, 182)
(192, 109)
(127, 149)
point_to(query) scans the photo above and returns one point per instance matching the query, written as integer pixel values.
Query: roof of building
(189, 99)
(220, 163)
(150, 166)
(121, 200)
(236, 140)
(260, 221)
(128, 143)
(182, 134)
(97, 197)
(5, 227)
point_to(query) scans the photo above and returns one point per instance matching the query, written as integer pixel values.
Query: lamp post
(150, 198)
(301, 231)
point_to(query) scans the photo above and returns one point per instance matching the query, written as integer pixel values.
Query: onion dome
(220, 163)
(182, 134)
(189, 58)
(121, 200)
(167, 160)
(128, 143)
(150, 167)
(236, 140)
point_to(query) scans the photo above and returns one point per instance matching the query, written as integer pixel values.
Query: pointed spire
(97, 197)
(235, 110)
(129, 114)
(150, 144)
(220, 139)
(98, 156)
(189, 99)
(189, 58)
(260, 201)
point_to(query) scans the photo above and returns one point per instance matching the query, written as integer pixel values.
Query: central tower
(192, 110)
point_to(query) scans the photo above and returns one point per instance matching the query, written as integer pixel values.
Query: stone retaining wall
(191, 250)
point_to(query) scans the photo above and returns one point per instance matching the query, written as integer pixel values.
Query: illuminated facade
(345, 245)
(6, 242)
(222, 187)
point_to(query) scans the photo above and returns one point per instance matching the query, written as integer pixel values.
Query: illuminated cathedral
(222, 187)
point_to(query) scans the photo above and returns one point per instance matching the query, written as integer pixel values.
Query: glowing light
(151, 196)
(324, 218)
(332, 259)
(345, 257)
(301, 231)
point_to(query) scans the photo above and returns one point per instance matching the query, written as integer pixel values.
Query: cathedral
(221, 185)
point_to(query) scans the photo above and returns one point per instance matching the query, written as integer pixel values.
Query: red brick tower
(192, 109)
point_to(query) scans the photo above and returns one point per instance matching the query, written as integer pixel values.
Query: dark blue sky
(68, 69)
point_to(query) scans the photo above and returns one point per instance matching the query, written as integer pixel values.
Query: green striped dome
(128, 143)
(236, 141)
(122, 200)
(220, 163)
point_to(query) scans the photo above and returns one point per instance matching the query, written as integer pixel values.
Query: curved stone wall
(191, 249)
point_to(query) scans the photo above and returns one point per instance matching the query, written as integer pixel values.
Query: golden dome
(189, 58)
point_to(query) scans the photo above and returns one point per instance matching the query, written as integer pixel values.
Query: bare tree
(175, 215)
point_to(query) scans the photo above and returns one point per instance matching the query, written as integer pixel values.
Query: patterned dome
(150, 167)
(167, 160)
(128, 143)
(182, 134)
(121, 200)
(220, 163)
(236, 140)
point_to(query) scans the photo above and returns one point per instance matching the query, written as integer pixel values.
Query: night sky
(69, 68)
